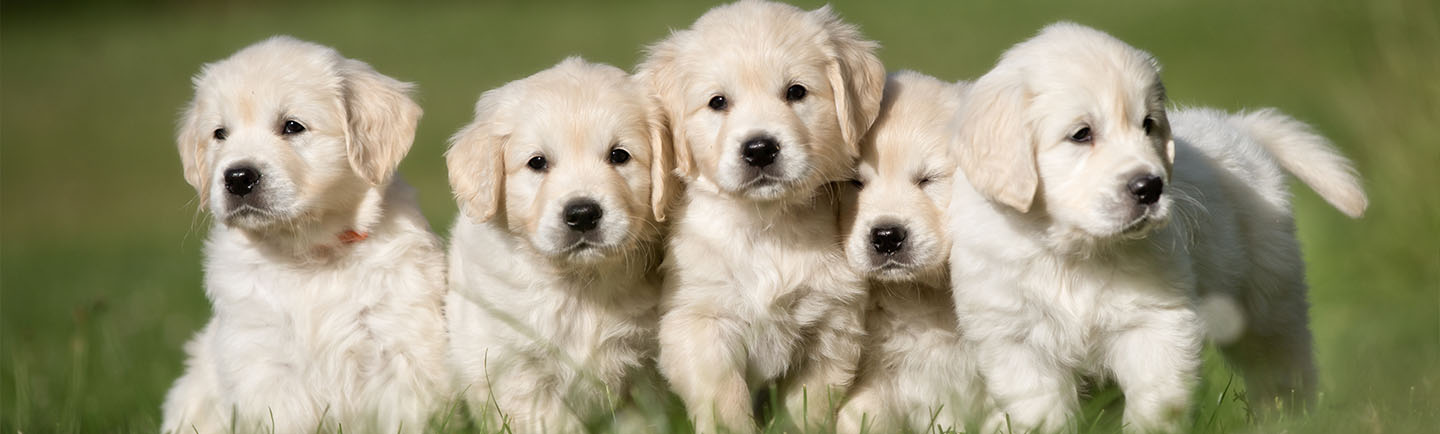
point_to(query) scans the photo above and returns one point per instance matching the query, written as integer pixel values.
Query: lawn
(100, 239)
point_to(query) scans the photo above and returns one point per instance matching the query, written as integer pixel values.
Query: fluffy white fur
(310, 331)
(551, 325)
(916, 372)
(1060, 272)
(756, 287)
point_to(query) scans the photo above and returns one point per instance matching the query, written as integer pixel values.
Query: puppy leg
(1032, 392)
(1276, 358)
(529, 403)
(1274, 354)
(864, 411)
(814, 391)
(193, 403)
(1156, 364)
(702, 357)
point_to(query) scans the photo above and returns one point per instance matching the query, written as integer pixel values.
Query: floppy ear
(476, 159)
(662, 178)
(856, 76)
(660, 75)
(382, 120)
(995, 145)
(192, 140)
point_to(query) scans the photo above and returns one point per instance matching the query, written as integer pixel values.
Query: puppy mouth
(895, 271)
(761, 180)
(1137, 225)
(249, 213)
(891, 264)
(1143, 223)
(580, 246)
(588, 246)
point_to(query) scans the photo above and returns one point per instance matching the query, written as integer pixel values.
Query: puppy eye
(538, 163)
(718, 103)
(619, 156)
(221, 134)
(1148, 124)
(923, 181)
(795, 93)
(1081, 136)
(858, 184)
(292, 127)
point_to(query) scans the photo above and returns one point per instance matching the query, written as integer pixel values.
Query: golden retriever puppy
(1094, 233)
(766, 104)
(326, 282)
(553, 295)
(916, 373)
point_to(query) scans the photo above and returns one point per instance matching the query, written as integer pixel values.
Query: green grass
(100, 241)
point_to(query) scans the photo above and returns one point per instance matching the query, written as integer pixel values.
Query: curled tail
(1308, 156)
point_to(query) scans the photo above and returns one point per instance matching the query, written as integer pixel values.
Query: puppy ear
(192, 139)
(661, 77)
(994, 144)
(382, 119)
(476, 158)
(662, 178)
(856, 76)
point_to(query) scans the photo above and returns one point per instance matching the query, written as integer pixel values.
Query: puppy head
(570, 156)
(1078, 117)
(765, 101)
(894, 217)
(286, 131)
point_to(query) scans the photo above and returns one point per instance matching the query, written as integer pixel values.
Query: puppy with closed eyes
(325, 279)
(917, 373)
(766, 104)
(1095, 235)
(552, 305)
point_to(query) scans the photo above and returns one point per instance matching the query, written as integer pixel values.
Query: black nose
(887, 239)
(582, 215)
(1146, 188)
(760, 151)
(240, 181)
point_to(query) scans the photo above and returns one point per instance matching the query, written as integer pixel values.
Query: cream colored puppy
(325, 279)
(1081, 249)
(552, 304)
(916, 373)
(766, 104)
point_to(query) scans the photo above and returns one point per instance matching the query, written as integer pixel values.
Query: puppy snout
(582, 215)
(241, 180)
(1146, 188)
(888, 239)
(760, 151)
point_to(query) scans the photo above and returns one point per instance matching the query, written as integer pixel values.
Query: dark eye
(718, 103)
(619, 156)
(220, 134)
(1081, 136)
(858, 184)
(538, 163)
(1148, 125)
(795, 93)
(923, 181)
(292, 127)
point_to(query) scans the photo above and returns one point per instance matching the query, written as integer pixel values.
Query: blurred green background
(100, 239)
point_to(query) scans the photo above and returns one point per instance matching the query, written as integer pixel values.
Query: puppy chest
(314, 331)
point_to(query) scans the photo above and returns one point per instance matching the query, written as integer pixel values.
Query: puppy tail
(1308, 156)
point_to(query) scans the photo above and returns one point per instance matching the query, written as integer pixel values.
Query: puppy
(325, 279)
(916, 373)
(552, 308)
(1092, 233)
(766, 104)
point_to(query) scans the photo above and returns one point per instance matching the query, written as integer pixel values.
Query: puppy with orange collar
(325, 279)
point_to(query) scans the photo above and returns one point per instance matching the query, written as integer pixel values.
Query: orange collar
(352, 237)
